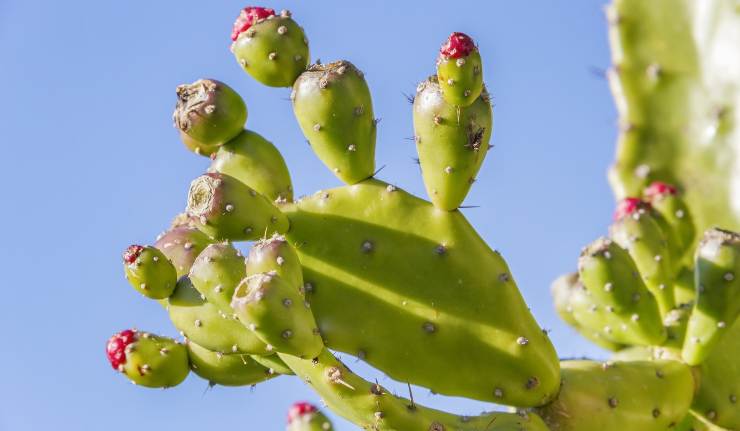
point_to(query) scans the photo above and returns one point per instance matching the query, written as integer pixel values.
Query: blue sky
(92, 164)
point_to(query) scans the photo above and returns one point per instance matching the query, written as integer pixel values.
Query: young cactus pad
(333, 106)
(451, 141)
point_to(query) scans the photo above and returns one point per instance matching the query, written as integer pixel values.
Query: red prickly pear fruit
(304, 416)
(460, 70)
(659, 189)
(272, 48)
(208, 114)
(629, 206)
(149, 271)
(148, 360)
(249, 16)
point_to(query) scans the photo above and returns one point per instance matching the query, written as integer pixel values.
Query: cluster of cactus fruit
(427, 302)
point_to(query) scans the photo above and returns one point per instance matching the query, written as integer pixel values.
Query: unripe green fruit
(149, 271)
(209, 112)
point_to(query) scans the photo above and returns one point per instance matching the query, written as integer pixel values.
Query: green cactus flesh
(674, 211)
(428, 293)
(274, 51)
(209, 112)
(564, 289)
(226, 370)
(182, 244)
(206, 325)
(196, 147)
(461, 79)
(675, 84)
(693, 422)
(150, 360)
(216, 273)
(718, 398)
(618, 396)
(641, 235)
(451, 141)
(717, 272)
(149, 271)
(278, 314)
(334, 109)
(373, 407)
(276, 254)
(616, 296)
(273, 363)
(226, 209)
(256, 162)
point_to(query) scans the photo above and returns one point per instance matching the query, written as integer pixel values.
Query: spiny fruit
(182, 244)
(208, 113)
(304, 416)
(149, 271)
(451, 141)
(333, 106)
(226, 370)
(256, 162)
(148, 360)
(717, 282)
(460, 70)
(226, 209)
(273, 49)
(276, 254)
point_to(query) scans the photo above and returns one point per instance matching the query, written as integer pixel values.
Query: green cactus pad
(641, 235)
(685, 291)
(149, 271)
(717, 272)
(432, 294)
(151, 360)
(209, 112)
(216, 273)
(273, 363)
(563, 290)
(256, 162)
(618, 396)
(226, 370)
(276, 254)
(274, 51)
(335, 111)
(226, 209)
(278, 314)
(675, 84)
(203, 323)
(373, 407)
(693, 422)
(451, 141)
(718, 398)
(182, 244)
(672, 208)
(615, 287)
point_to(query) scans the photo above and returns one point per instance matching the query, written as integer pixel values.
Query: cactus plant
(407, 285)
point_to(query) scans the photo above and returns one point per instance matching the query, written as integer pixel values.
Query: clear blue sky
(92, 163)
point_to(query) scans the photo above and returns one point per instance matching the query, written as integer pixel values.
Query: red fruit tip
(658, 189)
(248, 17)
(115, 349)
(299, 410)
(628, 206)
(457, 45)
(132, 253)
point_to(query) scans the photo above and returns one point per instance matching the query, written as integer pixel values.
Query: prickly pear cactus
(676, 84)
(407, 285)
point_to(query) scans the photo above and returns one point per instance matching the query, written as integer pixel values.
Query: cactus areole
(248, 17)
